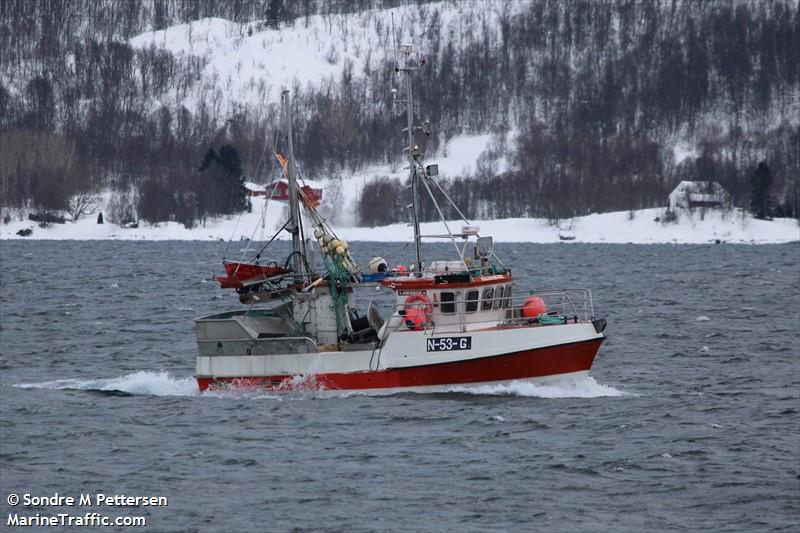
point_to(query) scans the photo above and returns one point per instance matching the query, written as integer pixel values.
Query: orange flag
(281, 160)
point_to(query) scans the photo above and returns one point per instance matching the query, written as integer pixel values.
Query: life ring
(418, 310)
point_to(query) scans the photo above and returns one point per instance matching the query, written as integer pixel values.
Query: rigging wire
(393, 251)
(441, 215)
(263, 209)
(272, 239)
(268, 193)
(230, 239)
(436, 182)
(261, 157)
(268, 197)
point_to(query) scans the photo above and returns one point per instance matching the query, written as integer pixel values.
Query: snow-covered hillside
(249, 63)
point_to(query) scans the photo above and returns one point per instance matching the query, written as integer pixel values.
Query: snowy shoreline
(625, 227)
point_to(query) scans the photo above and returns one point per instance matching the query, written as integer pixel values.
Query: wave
(559, 387)
(162, 383)
(143, 382)
(155, 383)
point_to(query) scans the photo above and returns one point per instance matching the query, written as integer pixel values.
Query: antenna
(394, 46)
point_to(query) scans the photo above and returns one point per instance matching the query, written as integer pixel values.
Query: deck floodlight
(432, 170)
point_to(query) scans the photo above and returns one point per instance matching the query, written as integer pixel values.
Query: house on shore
(699, 194)
(279, 191)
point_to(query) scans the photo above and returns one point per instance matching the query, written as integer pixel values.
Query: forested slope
(596, 106)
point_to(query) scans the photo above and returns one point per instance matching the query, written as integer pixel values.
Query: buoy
(318, 233)
(400, 269)
(340, 250)
(533, 306)
(377, 264)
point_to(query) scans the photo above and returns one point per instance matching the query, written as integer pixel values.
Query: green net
(339, 280)
(546, 319)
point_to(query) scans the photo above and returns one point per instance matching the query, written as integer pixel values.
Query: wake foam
(150, 383)
(143, 382)
(563, 387)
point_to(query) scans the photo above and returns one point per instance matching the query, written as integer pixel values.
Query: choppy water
(688, 421)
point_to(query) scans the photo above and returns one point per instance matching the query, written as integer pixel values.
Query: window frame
(448, 304)
(498, 298)
(486, 301)
(471, 305)
(506, 297)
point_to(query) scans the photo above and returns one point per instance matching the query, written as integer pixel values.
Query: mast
(408, 67)
(294, 208)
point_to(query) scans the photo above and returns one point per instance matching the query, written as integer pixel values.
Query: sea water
(687, 421)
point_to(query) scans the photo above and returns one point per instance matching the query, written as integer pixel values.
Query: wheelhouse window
(472, 301)
(507, 297)
(448, 303)
(488, 294)
(498, 297)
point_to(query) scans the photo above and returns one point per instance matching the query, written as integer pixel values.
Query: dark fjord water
(689, 421)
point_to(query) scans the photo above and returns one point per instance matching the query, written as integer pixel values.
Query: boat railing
(575, 302)
(553, 307)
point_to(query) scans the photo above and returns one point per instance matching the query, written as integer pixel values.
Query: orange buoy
(533, 307)
(400, 269)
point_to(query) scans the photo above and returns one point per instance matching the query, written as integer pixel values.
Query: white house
(691, 194)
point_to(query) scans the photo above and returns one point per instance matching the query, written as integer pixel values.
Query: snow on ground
(459, 156)
(731, 227)
(610, 228)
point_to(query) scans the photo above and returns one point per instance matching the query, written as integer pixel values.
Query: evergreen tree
(222, 191)
(210, 157)
(761, 182)
(233, 185)
(274, 13)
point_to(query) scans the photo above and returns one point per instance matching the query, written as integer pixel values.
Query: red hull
(542, 362)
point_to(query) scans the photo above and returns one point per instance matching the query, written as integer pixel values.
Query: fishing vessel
(453, 322)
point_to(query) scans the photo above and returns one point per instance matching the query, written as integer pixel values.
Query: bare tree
(83, 204)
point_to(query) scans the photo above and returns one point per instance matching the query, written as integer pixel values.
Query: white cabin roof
(705, 188)
(693, 193)
(254, 187)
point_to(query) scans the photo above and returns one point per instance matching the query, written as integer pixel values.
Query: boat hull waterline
(545, 362)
